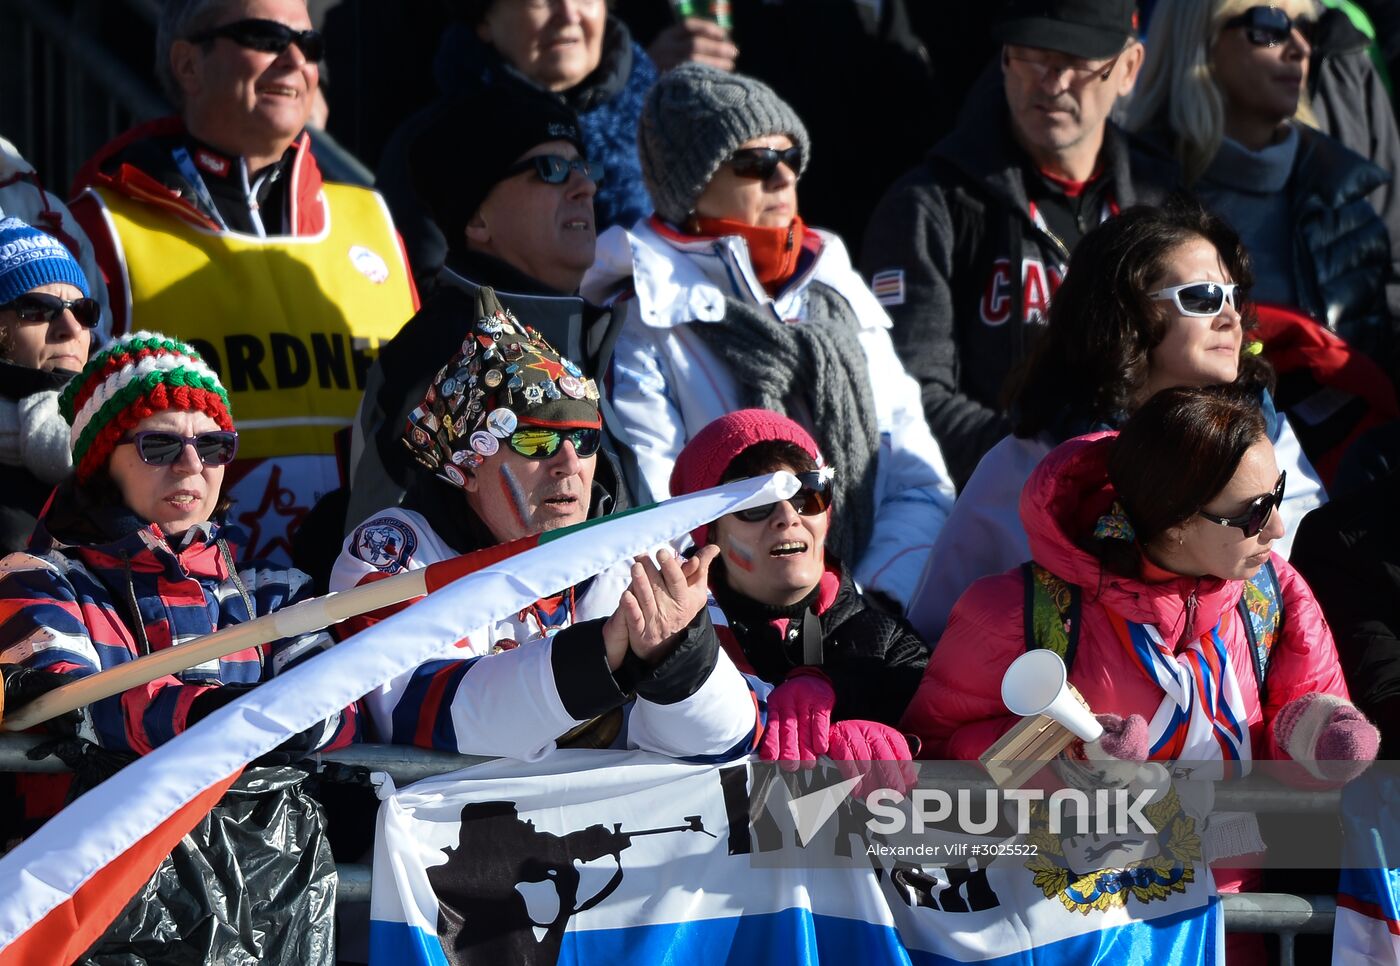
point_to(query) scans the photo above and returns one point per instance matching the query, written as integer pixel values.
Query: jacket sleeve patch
(386, 544)
(888, 286)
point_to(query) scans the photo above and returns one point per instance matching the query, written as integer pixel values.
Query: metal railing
(79, 73)
(1282, 914)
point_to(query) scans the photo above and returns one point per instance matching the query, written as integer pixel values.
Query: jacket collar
(1060, 503)
(469, 270)
(982, 147)
(143, 182)
(464, 66)
(17, 382)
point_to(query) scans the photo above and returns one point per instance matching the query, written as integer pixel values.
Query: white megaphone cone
(1037, 683)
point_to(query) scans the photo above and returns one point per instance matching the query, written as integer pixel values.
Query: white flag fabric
(47, 872)
(626, 857)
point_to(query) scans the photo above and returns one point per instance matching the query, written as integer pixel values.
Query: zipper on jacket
(138, 628)
(788, 246)
(1192, 602)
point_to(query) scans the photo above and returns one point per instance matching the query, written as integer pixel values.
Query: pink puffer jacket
(958, 711)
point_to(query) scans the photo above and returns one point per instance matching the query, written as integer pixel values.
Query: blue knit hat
(29, 258)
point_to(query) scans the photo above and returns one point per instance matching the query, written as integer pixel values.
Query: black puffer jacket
(875, 660)
(1341, 248)
(1349, 552)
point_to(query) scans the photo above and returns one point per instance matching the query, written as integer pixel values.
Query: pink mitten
(799, 718)
(1327, 735)
(855, 743)
(1123, 739)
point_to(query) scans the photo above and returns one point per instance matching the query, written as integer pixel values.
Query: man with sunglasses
(967, 249)
(509, 185)
(216, 225)
(506, 442)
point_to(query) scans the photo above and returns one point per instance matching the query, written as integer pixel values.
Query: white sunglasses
(1198, 299)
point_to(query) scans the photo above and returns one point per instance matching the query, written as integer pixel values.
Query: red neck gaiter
(773, 250)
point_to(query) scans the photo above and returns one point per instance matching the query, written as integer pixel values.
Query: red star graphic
(551, 369)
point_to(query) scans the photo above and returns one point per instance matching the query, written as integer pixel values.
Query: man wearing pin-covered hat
(507, 183)
(506, 444)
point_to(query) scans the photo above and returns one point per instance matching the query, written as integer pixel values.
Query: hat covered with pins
(504, 375)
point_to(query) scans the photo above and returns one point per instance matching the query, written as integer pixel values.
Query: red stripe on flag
(1368, 909)
(441, 574)
(71, 928)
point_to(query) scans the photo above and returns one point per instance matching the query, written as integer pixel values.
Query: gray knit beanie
(694, 119)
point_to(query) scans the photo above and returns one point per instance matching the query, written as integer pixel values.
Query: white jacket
(984, 535)
(22, 197)
(665, 384)
(502, 697)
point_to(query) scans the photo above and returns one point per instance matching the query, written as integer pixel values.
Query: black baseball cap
(1091, 29)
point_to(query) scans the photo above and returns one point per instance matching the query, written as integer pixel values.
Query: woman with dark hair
(1159, 531)
(1153, 298)
(134, 555)
(843, 671)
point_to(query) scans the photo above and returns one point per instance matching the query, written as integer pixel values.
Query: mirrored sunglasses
(42, 307)
(1199, 299)
(539, 443)
(760, 163)
(157, 448)
(554, 169)
(813, 498)
(267, 36)
(1256, 516)
(1269, 26)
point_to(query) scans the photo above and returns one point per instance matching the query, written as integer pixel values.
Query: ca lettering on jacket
(1038, 283)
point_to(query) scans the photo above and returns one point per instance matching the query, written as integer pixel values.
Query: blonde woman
(1222, 93)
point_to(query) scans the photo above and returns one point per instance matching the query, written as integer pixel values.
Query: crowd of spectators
(1100, 297)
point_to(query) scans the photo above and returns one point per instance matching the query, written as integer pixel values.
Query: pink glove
(875, 751)
(1328, 736)
(1123, 739)
(799, 718)
(1110, 761)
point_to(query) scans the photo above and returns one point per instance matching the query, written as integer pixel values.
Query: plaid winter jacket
(99, 587)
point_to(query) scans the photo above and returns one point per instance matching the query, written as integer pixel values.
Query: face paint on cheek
(740, 554)
(515, 496)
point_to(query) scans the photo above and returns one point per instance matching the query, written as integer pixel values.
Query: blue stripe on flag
(796, 937)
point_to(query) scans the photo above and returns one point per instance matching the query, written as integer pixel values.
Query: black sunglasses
(267, 36)
(1256, 515)
(1269, 26)
(540, 443)
(760, 163)
(813, 498)
(42, 307)
(159, 448)
(554, 169)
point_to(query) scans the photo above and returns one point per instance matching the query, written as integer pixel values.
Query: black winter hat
(1091, 29)
(469, 143)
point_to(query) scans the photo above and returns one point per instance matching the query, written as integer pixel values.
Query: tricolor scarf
(1202, 716)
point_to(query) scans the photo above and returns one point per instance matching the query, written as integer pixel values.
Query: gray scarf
(814, 373)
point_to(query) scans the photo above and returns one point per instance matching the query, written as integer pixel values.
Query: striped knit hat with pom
(133, 377)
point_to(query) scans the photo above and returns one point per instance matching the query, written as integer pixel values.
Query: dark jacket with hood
(380, 465)
(965, 271)
(873, 659)
(34, 448)
(608, 103)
